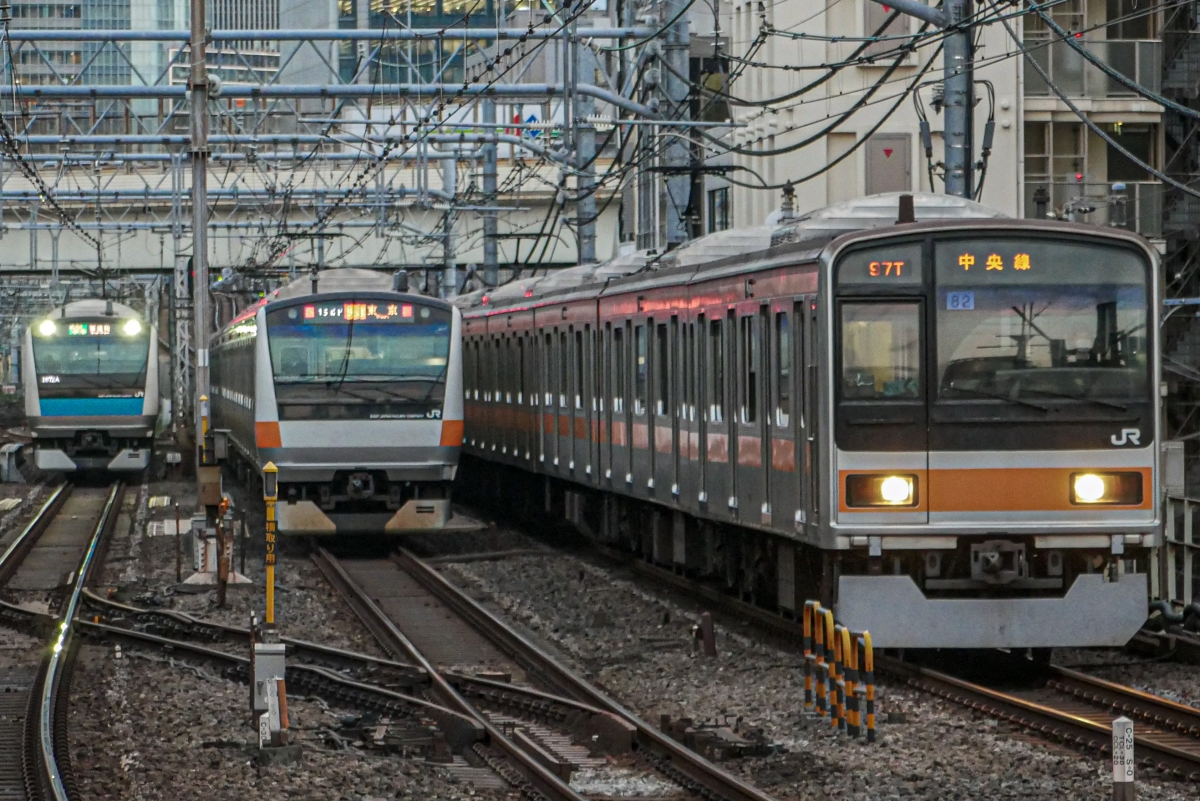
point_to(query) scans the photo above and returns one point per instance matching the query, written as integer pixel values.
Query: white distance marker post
(1124, 788)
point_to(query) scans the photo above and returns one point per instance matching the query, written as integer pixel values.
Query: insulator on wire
(926, 139)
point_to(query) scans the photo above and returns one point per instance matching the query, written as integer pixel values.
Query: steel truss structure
(266, 167)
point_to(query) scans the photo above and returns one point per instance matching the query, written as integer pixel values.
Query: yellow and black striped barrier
(839, 673)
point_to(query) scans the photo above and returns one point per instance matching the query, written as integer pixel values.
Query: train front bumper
(306, 518)
(56, 460)
(1094, 612)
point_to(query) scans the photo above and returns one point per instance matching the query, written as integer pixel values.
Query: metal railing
(1138, 207)
(1140, 60)
(1175, 565)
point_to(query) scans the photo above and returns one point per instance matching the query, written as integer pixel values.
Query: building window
(718, 210)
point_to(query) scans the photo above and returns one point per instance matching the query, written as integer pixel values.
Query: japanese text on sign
(994, 261)
(89, 329)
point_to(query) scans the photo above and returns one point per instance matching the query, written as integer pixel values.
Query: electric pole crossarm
(915, 8)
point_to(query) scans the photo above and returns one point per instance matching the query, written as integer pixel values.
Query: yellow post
(270, 496)
(831, 666)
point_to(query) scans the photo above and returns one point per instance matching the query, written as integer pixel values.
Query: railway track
(50, 560)
(417, 615)
(1060, 704)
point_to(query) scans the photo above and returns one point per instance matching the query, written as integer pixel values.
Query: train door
(579, 431)
(703, 370)
(812, 414)
(549, 401)
(563, 428)
(718, 477)
(622, 466)
(784, 414)
(749, 484)
(686, 467)
(591, 340)
(664, 417)
(641, 440)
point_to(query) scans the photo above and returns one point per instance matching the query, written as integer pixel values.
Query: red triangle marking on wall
(887, 151)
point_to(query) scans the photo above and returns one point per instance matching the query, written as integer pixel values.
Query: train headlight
(1122, 489)
(132, 328)
(47, 328)
(881, 490)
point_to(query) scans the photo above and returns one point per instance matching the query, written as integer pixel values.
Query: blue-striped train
(91, 399)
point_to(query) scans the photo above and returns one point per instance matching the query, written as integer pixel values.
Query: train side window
(716, 383)
(640, 369)
(881, 354)
(520, 369)
(564, 372)
(620, 366)
(783, 371)
(662, 371)
(749, 369)
(548, 368)
(579, 369)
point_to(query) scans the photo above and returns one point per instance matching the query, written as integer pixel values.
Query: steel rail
(10, 560)
(674, 758)
(168, 626)
(59, 659)
(310, 679)
(1060, 725)
(541, 781)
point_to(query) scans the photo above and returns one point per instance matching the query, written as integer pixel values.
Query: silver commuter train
(946, 430)
(91, 397)
(353, 389)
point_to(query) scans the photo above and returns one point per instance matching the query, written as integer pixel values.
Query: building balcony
(1139, 207)
(1139, 60)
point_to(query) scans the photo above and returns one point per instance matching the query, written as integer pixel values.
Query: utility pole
(450, 187)
(677, 151)
(491, 268)
(199, 126)
(585, 161)
(958, 86)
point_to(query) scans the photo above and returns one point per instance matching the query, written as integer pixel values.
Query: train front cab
(91, 397)
(363, 419)
(993, 468)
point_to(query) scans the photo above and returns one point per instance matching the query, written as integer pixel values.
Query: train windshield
(341, 344)
(1031, 321)
(83, 348)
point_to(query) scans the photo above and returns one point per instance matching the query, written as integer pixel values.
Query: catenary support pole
(958, 77)
(491, 267)
(198, 86)
(585, 152)
(677, 151)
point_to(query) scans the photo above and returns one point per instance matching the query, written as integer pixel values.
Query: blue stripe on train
(90, 407)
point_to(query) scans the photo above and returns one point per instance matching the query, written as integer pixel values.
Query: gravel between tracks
(1170, 680)
(147, 730)
(614, 631)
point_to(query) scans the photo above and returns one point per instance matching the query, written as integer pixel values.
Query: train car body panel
(947, 430)
(91, 394)
(365, 433)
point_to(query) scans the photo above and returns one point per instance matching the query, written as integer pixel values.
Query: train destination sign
(351, 311)
(89, 329)
(895, 264)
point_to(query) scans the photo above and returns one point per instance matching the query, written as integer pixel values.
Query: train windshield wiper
(1052, 393)
(997, 396)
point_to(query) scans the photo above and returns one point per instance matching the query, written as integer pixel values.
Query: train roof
(730, 252)
(93, 307)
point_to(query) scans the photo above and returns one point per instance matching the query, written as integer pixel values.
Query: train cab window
(881, 356)
(620, 367)
(783, 369)
(578, 369)
(716, 383)
(294, 361)
(750, 368)
(662, 371)
(641, 369)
